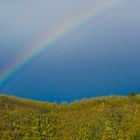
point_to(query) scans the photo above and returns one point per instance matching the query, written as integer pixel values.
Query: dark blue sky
(100, 60)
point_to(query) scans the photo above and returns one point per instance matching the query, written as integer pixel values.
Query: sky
(100, 57)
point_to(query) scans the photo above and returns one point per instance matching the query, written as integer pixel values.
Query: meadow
(103, 118)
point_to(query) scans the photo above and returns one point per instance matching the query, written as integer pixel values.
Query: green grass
(104, 118)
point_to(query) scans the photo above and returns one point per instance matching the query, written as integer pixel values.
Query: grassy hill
(104, 118)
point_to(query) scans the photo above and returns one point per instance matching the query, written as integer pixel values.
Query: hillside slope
(104, 118)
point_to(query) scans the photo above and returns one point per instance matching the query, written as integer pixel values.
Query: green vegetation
(104, 118)
(132, 93)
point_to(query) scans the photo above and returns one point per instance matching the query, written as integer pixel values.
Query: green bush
(104, 118)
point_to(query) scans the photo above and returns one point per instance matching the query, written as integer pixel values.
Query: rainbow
(68, 27)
